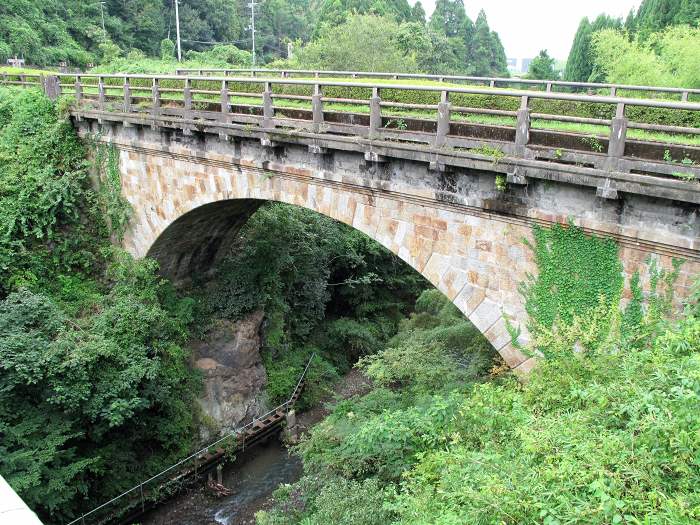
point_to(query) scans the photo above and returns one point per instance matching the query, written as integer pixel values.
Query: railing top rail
(378, 74)
(233, 433)
(596, 99)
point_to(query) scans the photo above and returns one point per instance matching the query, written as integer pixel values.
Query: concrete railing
(305, 104)
(547, 85)
(12, 509)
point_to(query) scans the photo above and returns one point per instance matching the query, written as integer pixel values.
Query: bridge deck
(430, 122)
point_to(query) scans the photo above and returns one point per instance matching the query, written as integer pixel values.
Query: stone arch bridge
(432, 192)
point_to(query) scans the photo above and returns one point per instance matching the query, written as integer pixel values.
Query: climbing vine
(578, 274)
(116, 208)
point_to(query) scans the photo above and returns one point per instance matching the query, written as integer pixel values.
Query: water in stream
(253, 478)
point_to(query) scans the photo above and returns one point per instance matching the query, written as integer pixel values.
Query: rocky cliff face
(234, 375)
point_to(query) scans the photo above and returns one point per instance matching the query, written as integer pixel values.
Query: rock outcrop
(234, 375)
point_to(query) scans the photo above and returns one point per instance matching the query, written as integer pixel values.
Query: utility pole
(102, 12)
(177, 31)
(252, 5)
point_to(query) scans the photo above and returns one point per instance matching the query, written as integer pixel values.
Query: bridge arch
(191, 191)
(186, 216)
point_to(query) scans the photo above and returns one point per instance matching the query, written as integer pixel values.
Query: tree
(167, 49)
(542, 67)
(449, 17)
(363, 43)
(669, 58)
(418, 13)
(579, 66)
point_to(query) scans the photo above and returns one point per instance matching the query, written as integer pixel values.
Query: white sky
(526, 26)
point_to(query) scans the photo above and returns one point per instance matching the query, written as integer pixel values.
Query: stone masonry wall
(190, 194)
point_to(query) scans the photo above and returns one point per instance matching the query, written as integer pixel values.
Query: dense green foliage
(579, 66)
(658, 47)
(95, 389)
(656, 15)
(324, 288)
(44, 194)
(577, 275)
(46, 33)
(598, 434)
(670, 58)
(542, 67)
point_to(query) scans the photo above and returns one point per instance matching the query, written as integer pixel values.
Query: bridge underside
(192, 193)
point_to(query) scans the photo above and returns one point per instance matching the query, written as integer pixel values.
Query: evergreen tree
(418, 13)
(482, 47)
(542, 67)
(449, 17)
(579, 66)
(688, 13)
(499, 62)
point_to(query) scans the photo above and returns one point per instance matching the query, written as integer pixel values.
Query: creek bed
(253, 477)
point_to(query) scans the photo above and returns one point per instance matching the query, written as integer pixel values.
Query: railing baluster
(375, 113)
(443, 120)
(101, 95)
(684, 96)
(78, 89)
(317, 108)
(618, 138)
(522, 130)
(127, 95)
(613, 91)
(224, 98)
(155, 101)
(155, 94)
(268, 110)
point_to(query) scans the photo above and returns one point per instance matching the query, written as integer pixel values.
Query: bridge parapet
(385, 117)
(612, 89)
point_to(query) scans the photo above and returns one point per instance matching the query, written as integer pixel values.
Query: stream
(254, 475)
(253, 478)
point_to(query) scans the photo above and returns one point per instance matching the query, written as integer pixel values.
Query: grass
(24, 71)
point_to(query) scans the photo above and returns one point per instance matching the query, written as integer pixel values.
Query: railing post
(78, 89)
(618, 137)
(187, 96)
(155, 95)
(187, 114)
(52, 88)
(101, 95)
(522, 130)
(492, 84)
(684, 96)
(375, 113)
(549, 87)
(127, 95)
(443, 120)
(268, 109)
(224, 98)
(613, 91)
(317, 108)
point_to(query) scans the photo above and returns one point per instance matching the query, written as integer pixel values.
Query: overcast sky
(526, 26)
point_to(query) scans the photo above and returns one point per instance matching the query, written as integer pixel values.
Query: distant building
(15, 62)
(519, 65)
